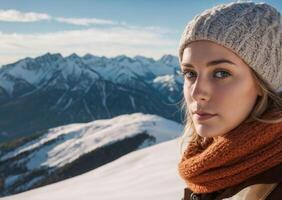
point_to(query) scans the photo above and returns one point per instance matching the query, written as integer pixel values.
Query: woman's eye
(218, 74)
(188, 74)
(223, 74)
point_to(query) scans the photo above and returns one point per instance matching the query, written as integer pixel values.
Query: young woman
(231, 60)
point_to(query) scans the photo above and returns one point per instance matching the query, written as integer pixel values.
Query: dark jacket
(271, 176)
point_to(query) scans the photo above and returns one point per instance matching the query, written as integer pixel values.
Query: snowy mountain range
(51, 90)
(71, 150)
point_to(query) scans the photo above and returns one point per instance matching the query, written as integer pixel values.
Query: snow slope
(74, 140)
(35, 160)
(149, 173)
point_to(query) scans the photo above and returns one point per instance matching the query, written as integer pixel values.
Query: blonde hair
(269, 100)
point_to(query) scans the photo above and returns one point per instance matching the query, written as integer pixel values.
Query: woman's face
(218, 82)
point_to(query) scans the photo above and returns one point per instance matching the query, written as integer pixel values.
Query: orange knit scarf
(245, 151)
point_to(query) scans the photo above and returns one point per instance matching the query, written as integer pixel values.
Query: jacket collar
(272, 175)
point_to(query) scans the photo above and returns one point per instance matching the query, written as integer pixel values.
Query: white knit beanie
(252, 31)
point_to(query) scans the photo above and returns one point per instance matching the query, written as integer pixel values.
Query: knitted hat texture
(253, 31)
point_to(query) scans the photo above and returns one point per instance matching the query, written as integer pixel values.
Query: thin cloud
(99, 41)
(115, 39)
(85, 21)
(18, 16)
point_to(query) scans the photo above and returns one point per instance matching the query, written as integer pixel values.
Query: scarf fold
(245, 151)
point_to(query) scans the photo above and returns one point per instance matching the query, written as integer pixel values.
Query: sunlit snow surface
(72, 141)
(146, 174)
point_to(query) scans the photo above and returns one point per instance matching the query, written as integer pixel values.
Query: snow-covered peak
(168, 81)
(30, 71)
(169, 60)
(48, 57)
(89, 56)
(40, 63)
(64, 144)
(73, 57)
(144, 60)
(95, 61)
(120, 69)
(123, 60)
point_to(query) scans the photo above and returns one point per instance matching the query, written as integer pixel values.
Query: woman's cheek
(186, 91)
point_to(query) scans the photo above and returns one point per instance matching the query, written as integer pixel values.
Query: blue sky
(29, 28)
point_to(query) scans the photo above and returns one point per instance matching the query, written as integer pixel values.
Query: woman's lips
(202, 117)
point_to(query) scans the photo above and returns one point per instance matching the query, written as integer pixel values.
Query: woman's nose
(201, 90)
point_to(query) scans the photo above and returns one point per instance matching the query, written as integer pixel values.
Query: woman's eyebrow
(210, 63)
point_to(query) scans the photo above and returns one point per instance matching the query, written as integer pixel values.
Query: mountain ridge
(52, 90)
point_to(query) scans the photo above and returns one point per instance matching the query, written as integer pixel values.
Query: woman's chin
(206, 131)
